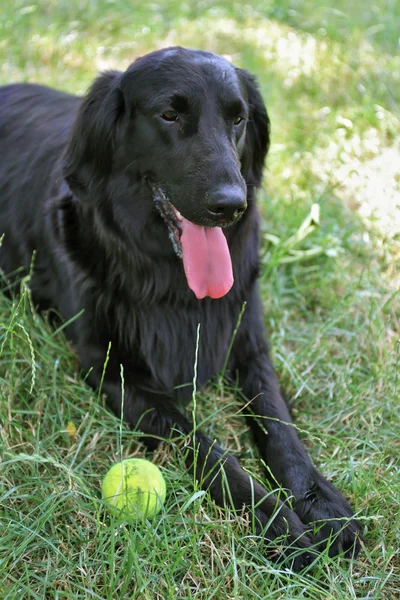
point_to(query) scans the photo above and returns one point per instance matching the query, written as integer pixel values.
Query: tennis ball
(135, 487)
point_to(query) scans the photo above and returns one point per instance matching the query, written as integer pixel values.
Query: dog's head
(193, 130)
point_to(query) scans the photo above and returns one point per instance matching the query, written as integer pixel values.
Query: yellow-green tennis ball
(136, 487)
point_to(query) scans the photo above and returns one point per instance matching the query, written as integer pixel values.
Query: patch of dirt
(372, 188)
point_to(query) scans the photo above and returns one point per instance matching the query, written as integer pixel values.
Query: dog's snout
(227, 203)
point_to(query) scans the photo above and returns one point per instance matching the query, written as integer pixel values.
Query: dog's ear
(257, 134)
(89, 154)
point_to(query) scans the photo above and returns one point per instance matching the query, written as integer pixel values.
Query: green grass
(330, 75)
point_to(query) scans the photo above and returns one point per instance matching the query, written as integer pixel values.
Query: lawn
(330, 75)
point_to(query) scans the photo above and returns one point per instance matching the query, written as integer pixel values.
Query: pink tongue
(206, 260)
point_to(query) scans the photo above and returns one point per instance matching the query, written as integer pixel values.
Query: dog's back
(34, 126)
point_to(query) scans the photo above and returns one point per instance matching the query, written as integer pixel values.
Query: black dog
(139, 201)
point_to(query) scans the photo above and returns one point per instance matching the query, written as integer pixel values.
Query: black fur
(77, 180)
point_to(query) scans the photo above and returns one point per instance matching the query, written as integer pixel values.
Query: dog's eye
(237, 120)
(169, 115)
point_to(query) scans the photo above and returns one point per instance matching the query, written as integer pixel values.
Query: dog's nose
(227, 203)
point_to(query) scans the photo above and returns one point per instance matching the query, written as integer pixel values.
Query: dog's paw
(332, 517)
(287, 540)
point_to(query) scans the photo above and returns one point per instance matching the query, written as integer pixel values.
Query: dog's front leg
(157, 416)
(316, 500)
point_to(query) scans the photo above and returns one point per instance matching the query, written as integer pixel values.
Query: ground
(330, 75)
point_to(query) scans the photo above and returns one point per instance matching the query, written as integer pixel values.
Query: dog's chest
(172, 342)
